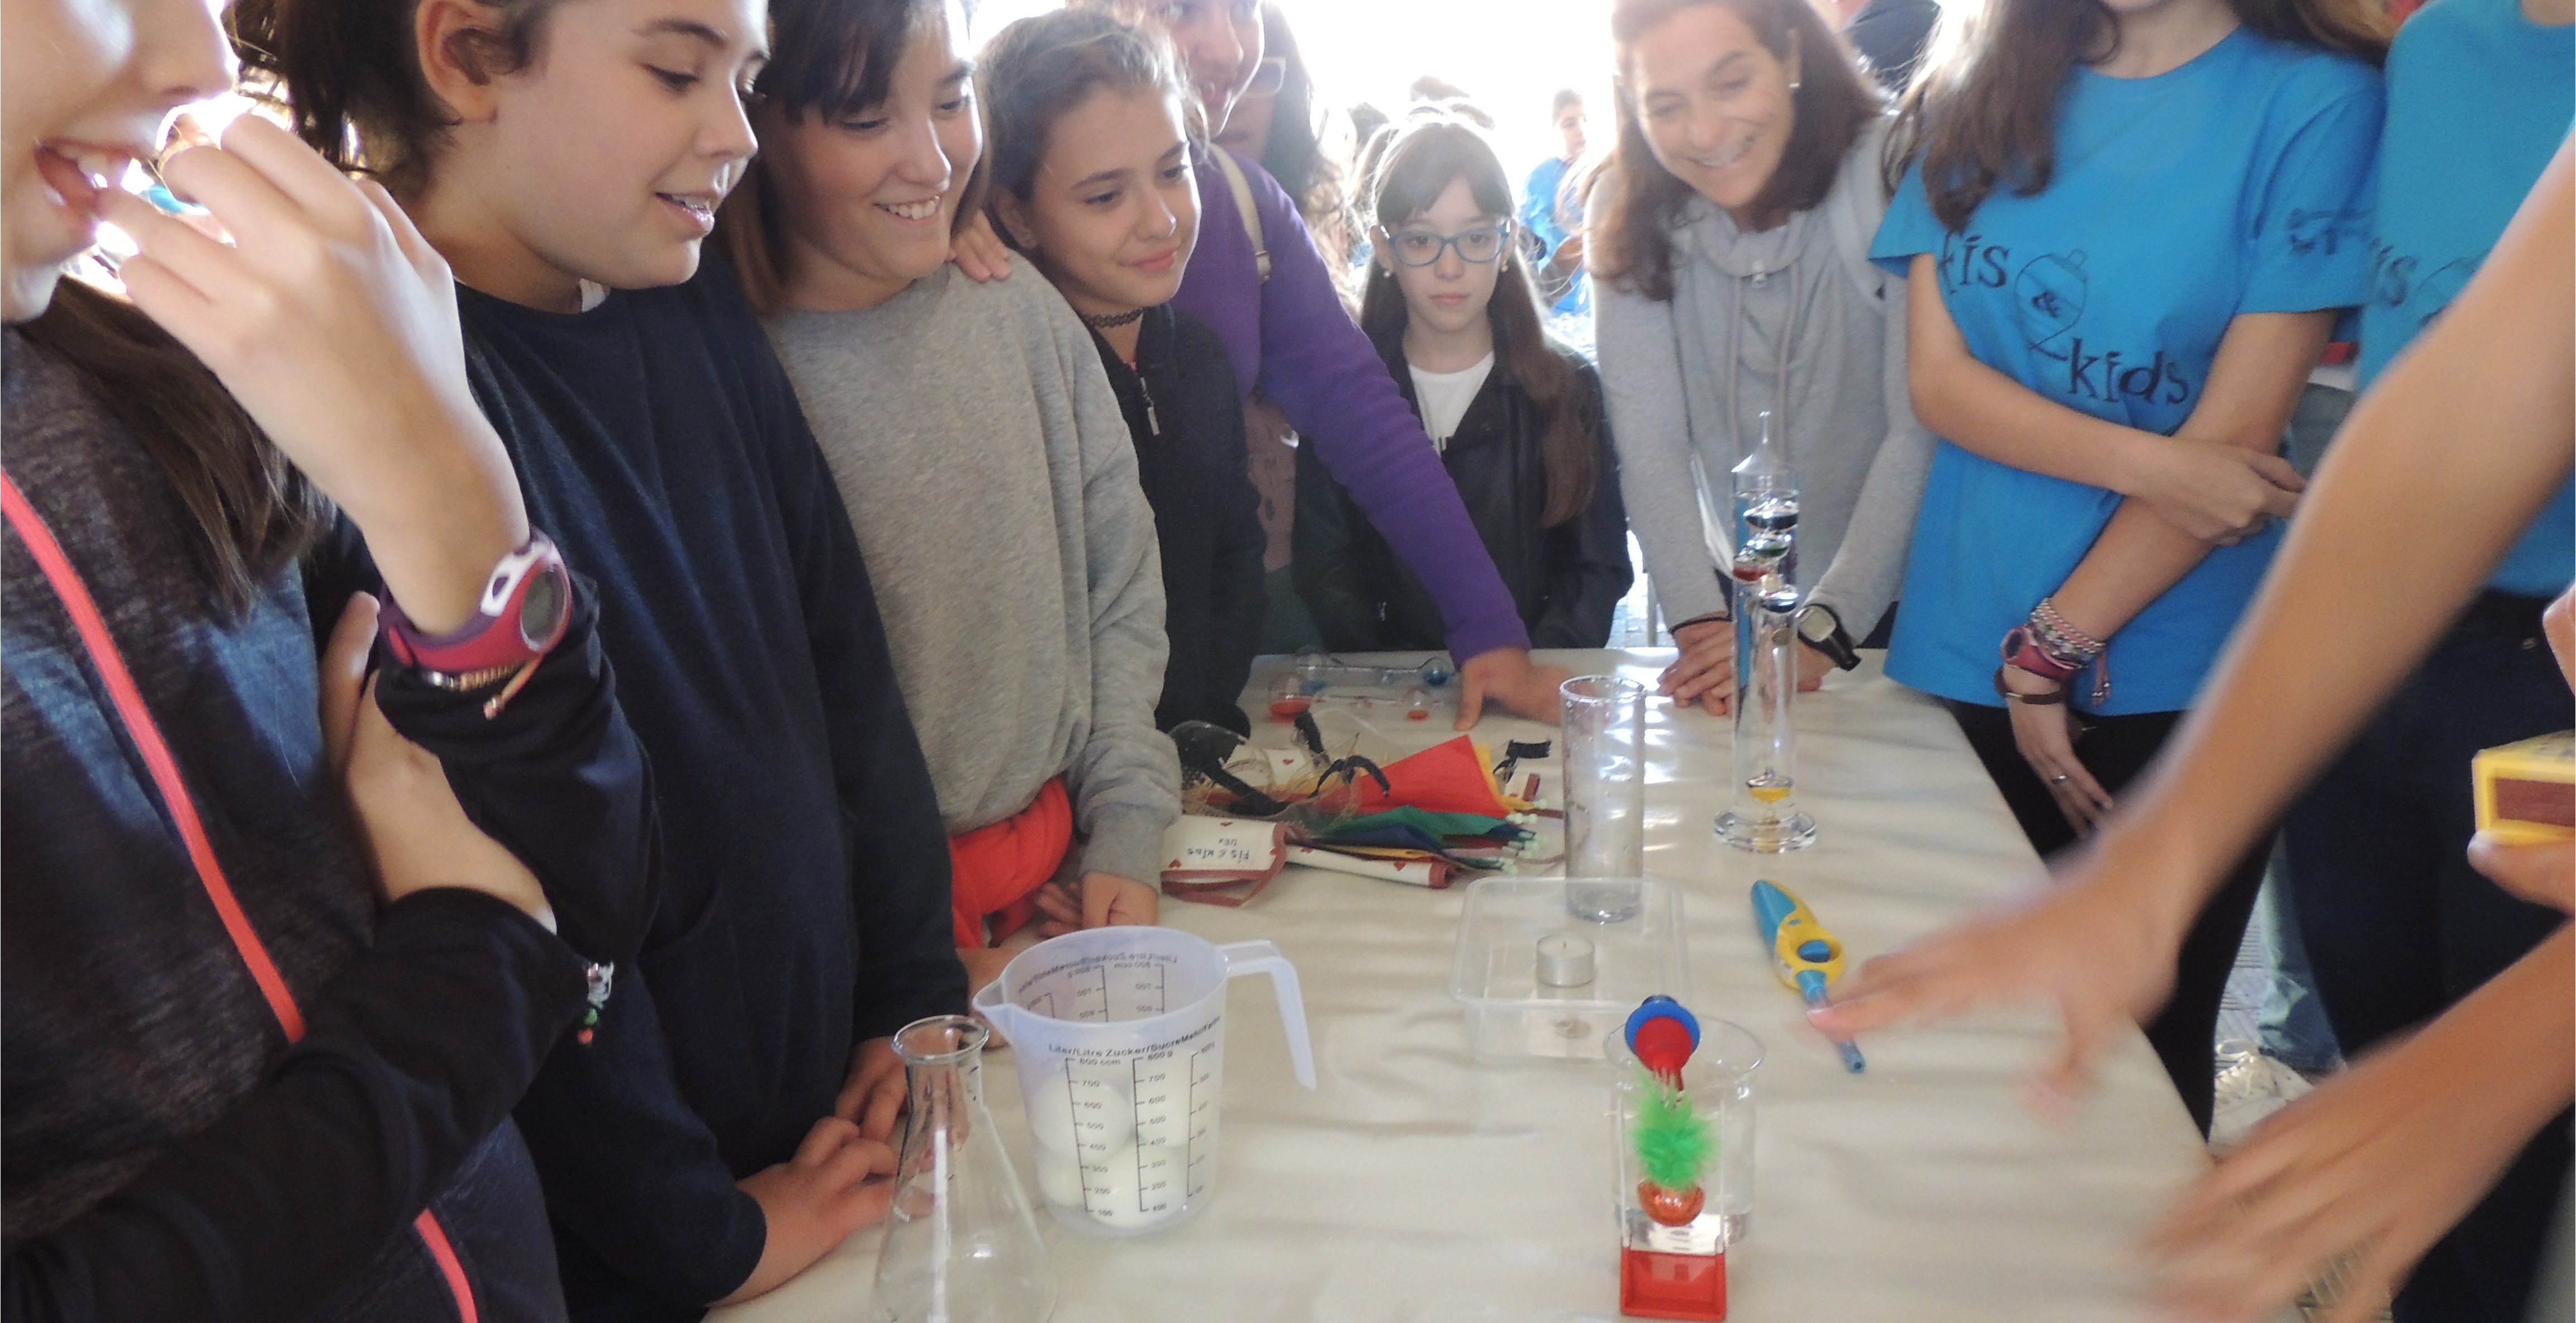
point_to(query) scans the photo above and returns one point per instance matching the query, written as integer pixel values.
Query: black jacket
(1566, 580)
(169, 1153)
(1187, 423)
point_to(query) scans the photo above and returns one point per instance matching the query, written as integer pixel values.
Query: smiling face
(83, 91)
(868, 201)
(1220, 45)
(1716, 105)
(1115, 211)
(1452, 293)
(605, 157)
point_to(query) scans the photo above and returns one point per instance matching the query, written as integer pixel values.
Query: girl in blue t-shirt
(2127, 231)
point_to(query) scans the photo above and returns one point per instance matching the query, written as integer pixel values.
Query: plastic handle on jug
(1243, 958)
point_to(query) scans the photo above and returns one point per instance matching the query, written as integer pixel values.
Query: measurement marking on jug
(1202, 1119)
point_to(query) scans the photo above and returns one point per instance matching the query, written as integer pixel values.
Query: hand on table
(1705, 672)
(838, 1181)
(979, 252)
(2046, 733)
(414, 831)
(873, 1096)
(1507, 676)
(1098, 900)
(2093, 943)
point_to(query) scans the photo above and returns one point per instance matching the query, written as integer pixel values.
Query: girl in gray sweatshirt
(1730, 245)
(986, 468)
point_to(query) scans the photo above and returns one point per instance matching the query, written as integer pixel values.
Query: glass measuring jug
(1120, 1035)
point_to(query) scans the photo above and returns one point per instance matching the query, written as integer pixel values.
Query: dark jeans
(2398, 926)
(2116, 750)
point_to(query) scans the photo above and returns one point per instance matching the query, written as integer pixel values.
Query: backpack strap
(1237, 183)
(146, 734)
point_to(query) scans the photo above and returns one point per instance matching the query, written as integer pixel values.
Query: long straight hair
(1982, 113)
(1425, 155)
(254, 513)
(1631, 244)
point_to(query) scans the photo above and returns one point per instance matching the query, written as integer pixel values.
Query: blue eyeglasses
(1480, 245)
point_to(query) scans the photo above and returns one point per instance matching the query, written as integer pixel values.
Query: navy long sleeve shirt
(805, 888)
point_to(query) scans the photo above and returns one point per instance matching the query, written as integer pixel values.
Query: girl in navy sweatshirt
(727, 1127)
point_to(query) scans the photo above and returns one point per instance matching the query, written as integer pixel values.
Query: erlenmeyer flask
(961, 1246)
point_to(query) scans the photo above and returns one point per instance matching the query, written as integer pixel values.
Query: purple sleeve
(1314, 362)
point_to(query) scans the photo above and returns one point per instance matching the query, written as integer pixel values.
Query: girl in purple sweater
(1285, 329)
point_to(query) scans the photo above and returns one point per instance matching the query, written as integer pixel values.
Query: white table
(1416, 1186)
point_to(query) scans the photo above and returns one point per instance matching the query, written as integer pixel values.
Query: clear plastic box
(1512, 1015)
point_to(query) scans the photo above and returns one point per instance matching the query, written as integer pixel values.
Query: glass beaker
(961, 1244)
(1718, 1080)
(1605, 795)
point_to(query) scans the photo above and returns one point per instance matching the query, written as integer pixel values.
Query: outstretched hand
(2086, 942)
(2362, 1176)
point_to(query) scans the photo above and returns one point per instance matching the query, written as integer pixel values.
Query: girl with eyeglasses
(1256, 279)
(1730, 250)
(1517, 418)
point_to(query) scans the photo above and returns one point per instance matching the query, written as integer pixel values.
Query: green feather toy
(1674, 1142)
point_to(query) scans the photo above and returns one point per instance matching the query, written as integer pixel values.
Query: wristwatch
(1821, 629)
(525, 608)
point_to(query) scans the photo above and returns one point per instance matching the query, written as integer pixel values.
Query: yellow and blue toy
(1806, 957)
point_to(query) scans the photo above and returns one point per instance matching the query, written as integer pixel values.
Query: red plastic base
(1686, 1286)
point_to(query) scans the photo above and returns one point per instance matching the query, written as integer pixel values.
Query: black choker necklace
(1113, 320)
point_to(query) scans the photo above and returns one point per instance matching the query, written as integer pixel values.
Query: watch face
(1815, 626)
(541, 608)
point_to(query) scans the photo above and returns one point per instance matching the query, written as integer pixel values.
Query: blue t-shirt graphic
(2239, 182)
(2479, 98)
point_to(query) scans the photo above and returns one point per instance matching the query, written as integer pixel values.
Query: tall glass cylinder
(961, 1245)
(1605, 796)
(1765, 817)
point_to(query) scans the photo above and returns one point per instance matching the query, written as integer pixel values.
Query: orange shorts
(996, 869)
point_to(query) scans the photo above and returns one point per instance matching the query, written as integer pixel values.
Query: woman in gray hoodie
(1730, 246)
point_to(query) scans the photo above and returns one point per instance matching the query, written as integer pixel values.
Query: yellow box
(2526, 790)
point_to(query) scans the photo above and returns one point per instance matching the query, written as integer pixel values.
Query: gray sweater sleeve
(1641, 378)
(1126, 778)
(1869, 568)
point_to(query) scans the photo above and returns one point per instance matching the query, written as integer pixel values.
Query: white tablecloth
(1416, 1185)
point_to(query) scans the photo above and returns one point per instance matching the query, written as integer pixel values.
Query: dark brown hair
(1982, 113)
(834, 58)
(1295, 154)
(1632, 243)
(1040, 68)
(254, 512)
(1426, 153)
(348, 72)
